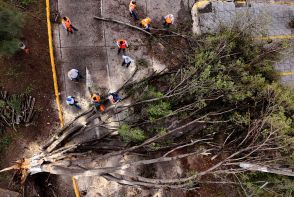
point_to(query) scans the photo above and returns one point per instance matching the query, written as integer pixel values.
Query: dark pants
(72, 29)
(78, 77)
(119, 50)
(147, 28)
(124, 63)
(76, 105)
(75, 29)
(134, 15)
(166, 25)
(116, 97)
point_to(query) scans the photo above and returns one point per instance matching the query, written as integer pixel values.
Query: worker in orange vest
(168, 20)
(67, 25)
(96, 100)
(122, 45)
(132, 7)
(145, 23)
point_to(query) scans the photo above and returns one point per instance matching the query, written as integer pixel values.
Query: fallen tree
(223, 106)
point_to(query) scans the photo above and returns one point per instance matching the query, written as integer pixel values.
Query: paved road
(272, 20)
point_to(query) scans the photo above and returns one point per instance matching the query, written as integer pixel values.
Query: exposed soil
(30, 73)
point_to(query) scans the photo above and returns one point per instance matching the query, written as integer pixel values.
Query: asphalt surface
(271, 19)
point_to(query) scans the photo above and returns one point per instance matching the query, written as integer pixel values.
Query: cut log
(31, 107)
(122, 23)
(259, 168)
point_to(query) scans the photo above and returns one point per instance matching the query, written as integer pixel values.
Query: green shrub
(15, 103)
(11, 24)
(159, 110)
(151, 92)
(131, 134)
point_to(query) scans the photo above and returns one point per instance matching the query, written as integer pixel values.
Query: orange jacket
(124, 45)
(67, 24)
(169, 19)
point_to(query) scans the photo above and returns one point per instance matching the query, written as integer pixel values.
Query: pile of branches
(15, 110)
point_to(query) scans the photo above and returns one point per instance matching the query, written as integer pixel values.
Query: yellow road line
(53, 65)
(275, 37)
(286, 73)
(283, 3)
(75, 186)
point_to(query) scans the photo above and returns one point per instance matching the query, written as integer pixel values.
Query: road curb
(56, 91)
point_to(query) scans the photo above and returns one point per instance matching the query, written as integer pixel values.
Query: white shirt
(73, 74)
(127, 59)
(70, 100)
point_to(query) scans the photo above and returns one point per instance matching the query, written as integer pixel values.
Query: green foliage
(158, 110)
(2, 104)
(151, 93)
(11, 24)
(131, 134)
(276, 185)
(26, 2)
(15, 103)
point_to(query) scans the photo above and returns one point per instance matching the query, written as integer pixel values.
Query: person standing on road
(126, 60)
(74, 75)
(71, 101)
(122, 45)
(132, 7)
(67, 25)
(145, 23)
(168, 20)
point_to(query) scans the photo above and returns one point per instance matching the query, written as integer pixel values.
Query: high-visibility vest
(123, 45)
(67, 25)
(132, 6)
(96, 98)
(145, 22)
(168, 20)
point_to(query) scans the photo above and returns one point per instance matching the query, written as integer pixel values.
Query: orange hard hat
(96, 98)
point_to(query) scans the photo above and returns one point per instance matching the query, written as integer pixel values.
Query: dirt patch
(31, 74)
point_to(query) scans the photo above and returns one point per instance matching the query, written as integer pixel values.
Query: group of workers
(122, 45)
(96, 100)
(146, 22)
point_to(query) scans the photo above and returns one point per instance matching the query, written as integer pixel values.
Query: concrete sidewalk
(92, 49)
